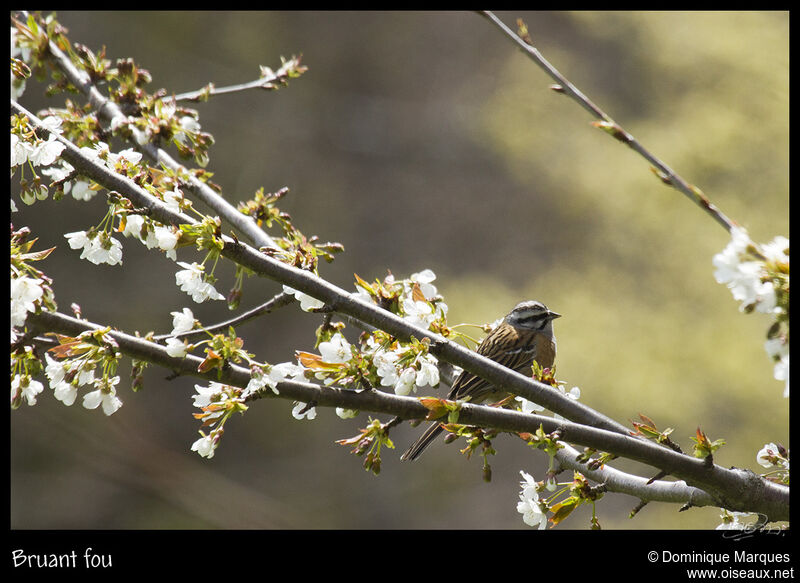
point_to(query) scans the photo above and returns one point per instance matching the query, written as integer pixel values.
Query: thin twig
(270, 80)
(664, 172)
(275, 302)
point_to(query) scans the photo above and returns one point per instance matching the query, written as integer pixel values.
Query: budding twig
(604, 122)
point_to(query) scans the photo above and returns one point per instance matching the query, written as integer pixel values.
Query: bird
(524, 335)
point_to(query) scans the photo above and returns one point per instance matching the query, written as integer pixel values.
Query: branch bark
(700, 485)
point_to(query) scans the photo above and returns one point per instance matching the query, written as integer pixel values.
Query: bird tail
(424, 441)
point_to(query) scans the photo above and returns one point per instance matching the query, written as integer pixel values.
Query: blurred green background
(426, 140)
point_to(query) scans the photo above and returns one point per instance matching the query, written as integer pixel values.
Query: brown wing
(520, 360)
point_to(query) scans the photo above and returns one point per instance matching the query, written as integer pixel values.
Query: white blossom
(78, 239)
(336, 350)
(65, 392)
(258, 380)
(59, 173)
(85, 374)
(418, 313)
(424, 279)
(20, 150)
(81, 190)
(206, 445)
(277, 373)
(190, 125)
(62, 390)
(103, 249)
(299, 413)
(133, 226)
(307, 303)
(204, 394)
(118, 121)
(123, 159)
(428, 373)
(54, 370)
(25, 291)
(781, 373)
(24, 387)
(182, 321)
(177, 348)
(385, 365)
(529, 407)
(53, 124)
(769, 449)
(190, 280)
(45, 153)
(752, 282)
(105, 395)
(173, 200)
(164, 238)
(777, 348)
(727, 261)
(529, 505)
(745, 277)
(99, 152)
(405, 381)
(285, 370)
(732, 521)
(776, 249)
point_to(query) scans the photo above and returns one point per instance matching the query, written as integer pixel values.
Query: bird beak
(553, 315)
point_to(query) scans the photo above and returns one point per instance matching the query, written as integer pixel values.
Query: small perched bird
(525, 335)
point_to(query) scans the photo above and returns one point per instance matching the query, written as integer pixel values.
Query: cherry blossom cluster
(31, 292)
(561, 502)
(775, 458)
(380, 359)
(66, 376)
(377, 360)
(31, 289)
(156, 116)
(758, 277)
(97, 244)
(734, 520)
(533, 510)
(77, 360)
(416, 299)
(29, 151)
(217, 403)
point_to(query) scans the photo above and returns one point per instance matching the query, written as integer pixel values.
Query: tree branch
(664, 172)
(337, 299)
(109, 110)
(677, 492)
(734, 489)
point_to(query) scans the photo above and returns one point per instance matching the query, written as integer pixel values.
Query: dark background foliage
(425, 140)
